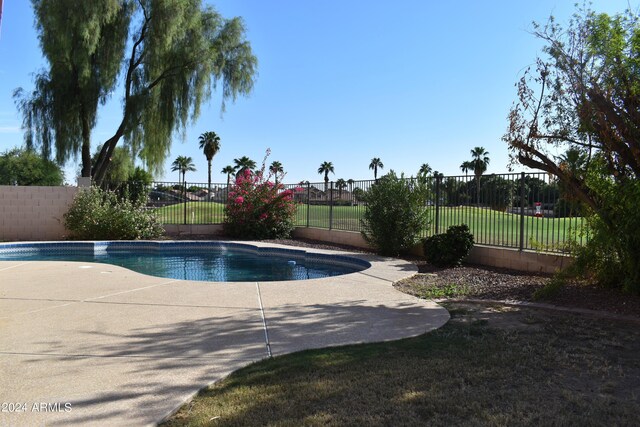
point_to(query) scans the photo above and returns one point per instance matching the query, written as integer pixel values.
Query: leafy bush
(551, 289)
(136, 188)
(564, 208)
(450, 248)
(395, 214)
(25, 167)
(194, 189)
(259, 209)
(497, 192)
(96, 214)
(611, 254)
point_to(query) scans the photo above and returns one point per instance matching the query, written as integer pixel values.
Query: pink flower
(264, 216)
(239, 200)
(299, 189)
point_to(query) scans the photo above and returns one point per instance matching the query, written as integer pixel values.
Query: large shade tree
(584, 94)
(25, 167)
(84, 43)
(209, 143)
(122, 166)
(178, 53)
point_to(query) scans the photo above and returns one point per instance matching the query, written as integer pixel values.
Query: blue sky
(344, 81)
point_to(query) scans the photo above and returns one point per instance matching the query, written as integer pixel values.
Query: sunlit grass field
(488, 226)
(192, 213)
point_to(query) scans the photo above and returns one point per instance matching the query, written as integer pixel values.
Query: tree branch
(109, 146)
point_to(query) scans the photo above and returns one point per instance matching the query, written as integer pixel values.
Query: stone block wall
(349, 238)
(33, 213)
(527, 261)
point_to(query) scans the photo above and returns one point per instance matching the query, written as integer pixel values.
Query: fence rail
(523, 211)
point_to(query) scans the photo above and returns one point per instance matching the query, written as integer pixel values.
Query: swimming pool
(213, 261)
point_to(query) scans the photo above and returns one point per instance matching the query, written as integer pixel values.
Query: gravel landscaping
(477, 282)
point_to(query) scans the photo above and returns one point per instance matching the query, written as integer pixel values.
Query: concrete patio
(96, 344)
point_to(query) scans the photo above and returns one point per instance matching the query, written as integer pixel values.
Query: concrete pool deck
(96, 344)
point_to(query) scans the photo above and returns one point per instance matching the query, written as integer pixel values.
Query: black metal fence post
(331, 206)
(308, 202)
(184, 197)
(522, 189)
(437, 203)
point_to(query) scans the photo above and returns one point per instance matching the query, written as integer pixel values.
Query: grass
(451, 290)
(196, 213)
(488, 226)
(487, 366)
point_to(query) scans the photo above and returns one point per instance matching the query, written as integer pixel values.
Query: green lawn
(344, 217)
(500, 228)
(196, 213)
(488, 226)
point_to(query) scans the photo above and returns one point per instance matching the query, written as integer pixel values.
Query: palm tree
(244, 163)
(375, 164)
(275, 169)
(228, 170)
(325, 168)
(210, 145)
(341, 184)
(183, 164)
(466, 167)
(479, 163)
(425, 169)
(573, 161)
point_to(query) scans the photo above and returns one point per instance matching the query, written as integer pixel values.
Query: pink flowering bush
(259, 209)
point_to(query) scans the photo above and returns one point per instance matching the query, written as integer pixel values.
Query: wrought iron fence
(523, 211)
(192, 203)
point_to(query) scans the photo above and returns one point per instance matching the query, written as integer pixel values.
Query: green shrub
(395, 214)
(194, 189)
(564, 208)
(100, 215)
(450, 248)
(611, 256)
(551, 289)
(138, 186)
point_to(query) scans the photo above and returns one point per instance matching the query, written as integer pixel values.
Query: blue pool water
(215, 262)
